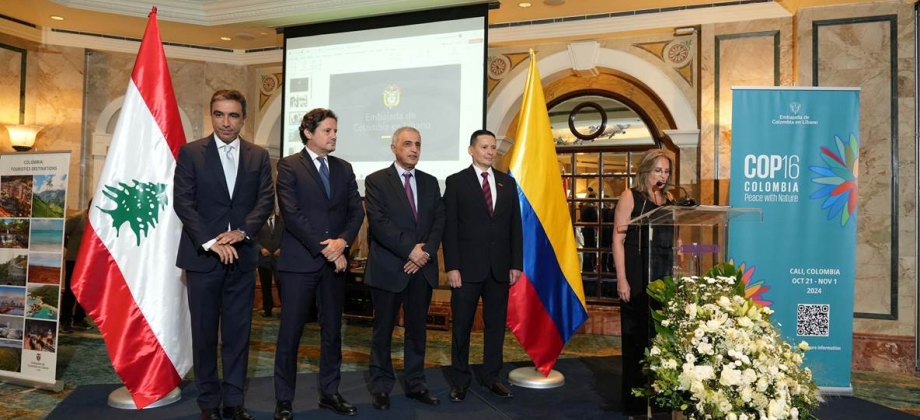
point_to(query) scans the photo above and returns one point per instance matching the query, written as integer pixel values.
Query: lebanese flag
(126, 276)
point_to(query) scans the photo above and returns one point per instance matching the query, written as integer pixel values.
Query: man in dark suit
(483, 256)
(322, 211)
(270, 242)
(405, 224)
(223, 194)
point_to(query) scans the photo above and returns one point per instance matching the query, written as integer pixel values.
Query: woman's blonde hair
(646, 166)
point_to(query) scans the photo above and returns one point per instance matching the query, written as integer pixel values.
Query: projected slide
(372, 105)
(377, 75)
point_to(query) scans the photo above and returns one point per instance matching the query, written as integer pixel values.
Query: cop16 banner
(795, 153)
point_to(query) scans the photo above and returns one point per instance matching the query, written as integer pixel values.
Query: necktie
(487, 191)
(410, 195)
(271, 223)
(324, 175)
(229, 167)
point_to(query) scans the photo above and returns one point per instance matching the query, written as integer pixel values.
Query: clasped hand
(334, 252)
(417, 259)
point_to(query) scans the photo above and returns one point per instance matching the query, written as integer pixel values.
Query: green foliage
(49, 294)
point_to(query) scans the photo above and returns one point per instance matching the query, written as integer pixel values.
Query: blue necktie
(324, 175)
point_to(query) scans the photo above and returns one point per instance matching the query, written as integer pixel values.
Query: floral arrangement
(717, 356)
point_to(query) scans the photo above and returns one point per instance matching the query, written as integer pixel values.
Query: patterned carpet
(83, 360)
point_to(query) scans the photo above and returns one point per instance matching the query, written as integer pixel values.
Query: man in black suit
(223, 194)
(270, 242)
(483, 256)
(405, 223)
(322, 211)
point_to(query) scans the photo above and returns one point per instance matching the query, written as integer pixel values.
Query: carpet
(591, 392)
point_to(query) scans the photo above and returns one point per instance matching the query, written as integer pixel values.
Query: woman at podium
(639, 258)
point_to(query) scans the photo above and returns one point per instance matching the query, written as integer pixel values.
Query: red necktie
(487, 191)
(409, 194)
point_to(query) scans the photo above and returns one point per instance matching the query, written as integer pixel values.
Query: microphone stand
(685, 201)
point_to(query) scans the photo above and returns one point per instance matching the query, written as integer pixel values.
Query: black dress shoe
(381, 401)
(337, 404)
(499, 390)
(457, 394)
(283, 411)
(210, 414)
(237, 413)
(424, 397)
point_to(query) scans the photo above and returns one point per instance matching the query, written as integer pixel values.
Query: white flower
(654, 351)
(666, 323)
(730, 377)
(804, 346)
(777, 409)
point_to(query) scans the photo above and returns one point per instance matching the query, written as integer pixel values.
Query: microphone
(686, 201)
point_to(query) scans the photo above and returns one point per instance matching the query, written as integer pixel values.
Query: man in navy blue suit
(223, 194)
(405, 222)
(322, 211)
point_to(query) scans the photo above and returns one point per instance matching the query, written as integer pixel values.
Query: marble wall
(53, 99)
(872, 46)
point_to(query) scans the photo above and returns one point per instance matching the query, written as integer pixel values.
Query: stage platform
(592, 391)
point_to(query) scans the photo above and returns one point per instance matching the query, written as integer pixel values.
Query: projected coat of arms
(391, 95)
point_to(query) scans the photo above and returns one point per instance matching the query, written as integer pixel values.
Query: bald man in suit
(484, 257)
(405, 224)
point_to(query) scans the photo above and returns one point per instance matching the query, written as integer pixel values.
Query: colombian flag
(547, 305)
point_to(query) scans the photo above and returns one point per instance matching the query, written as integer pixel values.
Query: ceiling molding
(274, 13)
(600, 26)
(237, 57)
(593, 27)
(20, 31)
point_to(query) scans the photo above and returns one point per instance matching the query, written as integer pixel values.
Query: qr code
(813, 320)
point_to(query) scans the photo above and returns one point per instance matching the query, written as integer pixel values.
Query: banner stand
(530, 377)
(56, 386)
(121, 398)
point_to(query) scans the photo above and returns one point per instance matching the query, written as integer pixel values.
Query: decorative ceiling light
(226, 38)
(524, 4)
(56, 17)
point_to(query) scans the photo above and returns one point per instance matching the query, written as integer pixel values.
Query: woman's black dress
(634, 315)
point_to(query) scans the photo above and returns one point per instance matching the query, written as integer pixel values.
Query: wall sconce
(22, 137)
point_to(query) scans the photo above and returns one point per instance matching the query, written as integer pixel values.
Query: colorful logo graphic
(838, 179)
(753, 290)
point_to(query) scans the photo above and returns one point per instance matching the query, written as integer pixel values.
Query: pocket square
(500, 184)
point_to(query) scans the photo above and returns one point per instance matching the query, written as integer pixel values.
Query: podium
(678, 241)
(686, 241)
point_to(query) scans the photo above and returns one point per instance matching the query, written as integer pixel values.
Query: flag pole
(141, 310)
(546, 306)
(121, 398)
(530, 377)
